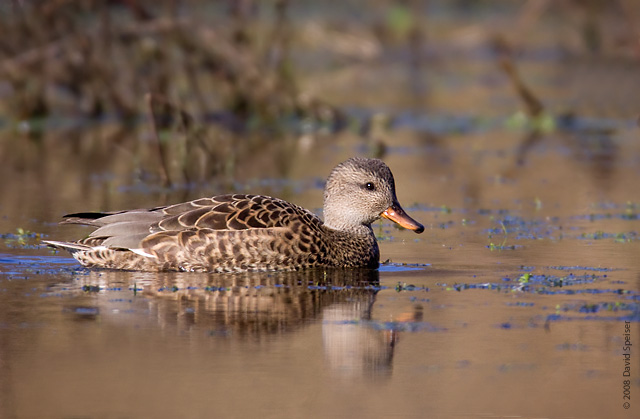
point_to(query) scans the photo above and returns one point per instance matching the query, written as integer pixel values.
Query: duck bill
(396, 214)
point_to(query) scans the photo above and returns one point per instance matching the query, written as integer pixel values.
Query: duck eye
(370, 186)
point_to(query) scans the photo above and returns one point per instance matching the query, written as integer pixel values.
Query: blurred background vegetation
(176, 92)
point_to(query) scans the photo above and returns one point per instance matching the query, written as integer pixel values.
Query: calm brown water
(439, 332)
(513, 303)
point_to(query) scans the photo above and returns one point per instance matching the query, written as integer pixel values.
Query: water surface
(513, 302)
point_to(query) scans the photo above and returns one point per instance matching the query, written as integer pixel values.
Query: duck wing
(127, 229)
(231, 212)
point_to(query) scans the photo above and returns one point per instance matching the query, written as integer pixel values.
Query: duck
(241, 233)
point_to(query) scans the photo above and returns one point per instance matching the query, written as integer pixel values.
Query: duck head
(358, 192)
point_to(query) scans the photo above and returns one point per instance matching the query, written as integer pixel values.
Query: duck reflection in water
(254, 306)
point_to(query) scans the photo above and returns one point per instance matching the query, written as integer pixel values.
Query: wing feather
(230, 212)
(127, 229)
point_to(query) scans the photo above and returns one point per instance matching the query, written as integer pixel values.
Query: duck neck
(360, 230)
(342, 220)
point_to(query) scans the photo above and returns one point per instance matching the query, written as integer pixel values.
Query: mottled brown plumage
(233, 233)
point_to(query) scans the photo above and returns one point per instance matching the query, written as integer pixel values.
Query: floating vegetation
(626, 215)
(545, 284)
(21, 239)
(520, 304)
(576, 268)
(91, 288)
(20, 267)
(554, 280)
(446, 209)
(520, 121)
(446, 225)
(503, 246)
(402, 286)
(594, 311)
(616, 237)
(598, 307)
(526, 229)
(487, 211)
(518, 228)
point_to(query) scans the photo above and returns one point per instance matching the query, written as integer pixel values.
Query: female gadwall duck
(232, 233)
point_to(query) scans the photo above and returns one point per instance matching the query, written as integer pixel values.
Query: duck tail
(69, 247)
